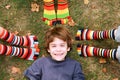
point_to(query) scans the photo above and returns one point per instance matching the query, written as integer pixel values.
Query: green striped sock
(49, 16)
(63, 12)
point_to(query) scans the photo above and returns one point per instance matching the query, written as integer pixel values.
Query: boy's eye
(62, 45)
(53, 46)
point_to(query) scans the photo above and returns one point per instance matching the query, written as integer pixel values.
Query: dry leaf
(113, 62)
(16, 32)
(15, 70)
(102, 60)
(71, 22)
(34, 7)
(104, 70)
(7, 7)
(93, 6)
(86, 1)
(43, 55)
(29, 33)
(115, 79)
(11, 79)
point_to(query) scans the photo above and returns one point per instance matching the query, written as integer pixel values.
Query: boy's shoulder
(41, 60)
(73, 61)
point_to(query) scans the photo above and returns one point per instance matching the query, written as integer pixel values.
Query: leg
(28, 41)
(24, 53)
(62, 12)
(87, 34)
(88, 51)
(49, 12)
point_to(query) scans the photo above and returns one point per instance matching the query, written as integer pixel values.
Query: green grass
(97, 15)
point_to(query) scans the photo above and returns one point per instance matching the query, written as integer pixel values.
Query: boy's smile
(58, 49)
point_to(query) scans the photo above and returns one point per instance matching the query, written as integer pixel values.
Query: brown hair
(58, 32)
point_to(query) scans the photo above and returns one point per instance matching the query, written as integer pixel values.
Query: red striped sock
(87, 34)
(88, 51)
(28, 41)
(24, 53)
(62, 12)
(49, 15)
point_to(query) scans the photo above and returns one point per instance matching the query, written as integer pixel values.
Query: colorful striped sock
(28, 41)
(63, 16)
(88, 51)
(86, 34)
(117, 34)
(49, 16)
(24, 53)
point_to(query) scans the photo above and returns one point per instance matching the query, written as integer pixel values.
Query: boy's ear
(48, 50)
(68, 49)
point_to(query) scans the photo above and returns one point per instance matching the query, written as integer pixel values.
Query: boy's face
(58, 49)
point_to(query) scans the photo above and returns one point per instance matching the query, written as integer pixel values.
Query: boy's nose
(58, 49)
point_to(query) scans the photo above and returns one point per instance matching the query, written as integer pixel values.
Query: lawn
(16, 16)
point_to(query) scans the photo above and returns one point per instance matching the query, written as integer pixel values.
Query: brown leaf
(104, 70)
(71, 22)
(115, 79)
(16, 32)
(15, 70)
(29, 33)
(7, 7)
(113, 62)
(43, 55)
(102, 60)
(34, 7)
(11, 79)
(86, 1)
(93, 6)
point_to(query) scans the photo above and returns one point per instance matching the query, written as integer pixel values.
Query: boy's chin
(59, 59)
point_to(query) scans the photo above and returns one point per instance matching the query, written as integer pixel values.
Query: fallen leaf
(93, 6)
(113, 62)
(29, 33)
(104, 70)
(34, 7)
(16, 32)
(15, 70)
(7, 7)
(102, 60)
(86, 1)
(11, 79)
(43, 55)
(71, 22)
(115, 79)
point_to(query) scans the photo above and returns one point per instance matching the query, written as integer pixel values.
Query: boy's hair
(58, 32)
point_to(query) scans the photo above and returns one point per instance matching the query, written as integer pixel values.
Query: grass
(97, 15)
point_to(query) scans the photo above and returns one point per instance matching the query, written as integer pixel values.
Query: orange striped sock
(87, 34)
(63, 12)
(27, 41)
(24, 53)
(88, 51)
(49, 15)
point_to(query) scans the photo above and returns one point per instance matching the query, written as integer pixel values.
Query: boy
(57, 66)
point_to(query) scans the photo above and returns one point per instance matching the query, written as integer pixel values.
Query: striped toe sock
(62, 12)
(118, 54)
(88, 51)
(117, 34)
(86, 34)
(24, 53)
(49, 15)
(28, 41)
(33, 41)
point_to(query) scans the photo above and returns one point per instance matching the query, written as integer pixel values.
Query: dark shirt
(48, 69)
